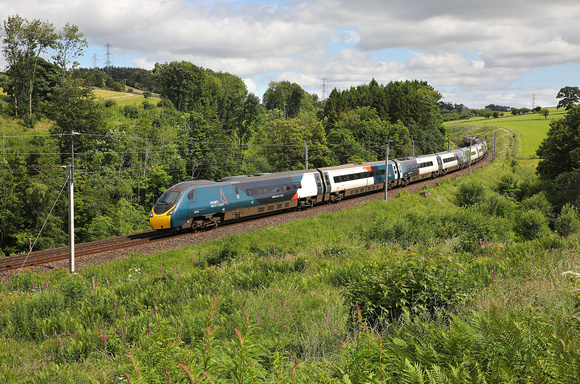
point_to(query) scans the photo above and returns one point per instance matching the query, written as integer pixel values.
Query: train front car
(171, 210)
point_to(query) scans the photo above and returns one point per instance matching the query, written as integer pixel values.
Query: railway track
(14, 262)
(11, 264)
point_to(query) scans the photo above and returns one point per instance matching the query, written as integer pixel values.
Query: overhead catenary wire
(43, 225)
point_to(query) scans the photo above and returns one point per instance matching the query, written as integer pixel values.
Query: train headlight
(171, 211)
(151, 214)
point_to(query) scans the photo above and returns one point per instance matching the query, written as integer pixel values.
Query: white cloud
(469, 50)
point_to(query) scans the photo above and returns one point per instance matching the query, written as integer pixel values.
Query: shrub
(131, 111)
(470, 193)
(419, 285)
(148, 105)
(567, 223)
(508, 186)
(498, 205)
(109, 103)
(531, 225)
(147, 94)
(538, 202)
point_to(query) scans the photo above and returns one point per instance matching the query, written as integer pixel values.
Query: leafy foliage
(413, 284)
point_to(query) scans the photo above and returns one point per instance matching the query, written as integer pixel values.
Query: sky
(516, 53)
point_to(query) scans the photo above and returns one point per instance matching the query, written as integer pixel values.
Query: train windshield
(166, 201)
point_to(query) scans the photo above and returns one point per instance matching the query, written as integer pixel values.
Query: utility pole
(306, 154)
(71, 202)
(71, 217)
(470, 152)
(493, 145)
(387, 147)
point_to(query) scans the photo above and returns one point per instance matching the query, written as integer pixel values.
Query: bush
(531, 225)
(148, 105)
(109, 103)
(539, 202)
(147, 94)
(415, 284)
(567, 223)
(131, 111)
(470, 193)
(508, 186)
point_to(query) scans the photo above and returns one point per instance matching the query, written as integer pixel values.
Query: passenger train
(204, 204)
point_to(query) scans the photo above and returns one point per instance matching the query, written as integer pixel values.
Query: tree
(180, 82)
(74, 109)
(286, 97)
(560, 150)
(24, 42)
(560, 159)
(284, 141)
(69, 45)
(569, 97)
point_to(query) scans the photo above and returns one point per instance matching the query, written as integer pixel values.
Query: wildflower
(168, 378)
(240, 337)
(282, 304)
(148, 329)
(104, 338)
(184, 369)
(115, 304)
(327, 317)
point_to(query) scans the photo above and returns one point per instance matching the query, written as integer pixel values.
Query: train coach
(204, 204)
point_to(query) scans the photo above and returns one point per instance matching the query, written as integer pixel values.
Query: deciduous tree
(569, 96)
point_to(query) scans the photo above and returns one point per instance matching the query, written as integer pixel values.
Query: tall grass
(438, 289)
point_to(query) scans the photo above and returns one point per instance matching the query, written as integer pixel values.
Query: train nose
(162, 221)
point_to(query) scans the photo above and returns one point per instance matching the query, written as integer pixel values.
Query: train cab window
(237, 191)
(191, 194)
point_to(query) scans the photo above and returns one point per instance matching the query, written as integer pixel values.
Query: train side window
(237, 191)
(191, 194)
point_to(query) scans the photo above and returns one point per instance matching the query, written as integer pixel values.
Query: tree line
(205, 125)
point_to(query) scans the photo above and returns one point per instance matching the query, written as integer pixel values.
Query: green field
(121, 98)
(525, 132)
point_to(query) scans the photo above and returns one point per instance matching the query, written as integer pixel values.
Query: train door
(238, 203)
(439, 164)
(327, 186)
(319, 188)
(192, 208)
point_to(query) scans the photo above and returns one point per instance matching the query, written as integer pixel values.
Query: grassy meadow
(466, 285)
(520, 135)
(121, 98)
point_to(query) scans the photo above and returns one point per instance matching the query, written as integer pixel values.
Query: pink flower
(115, 304)
(240, 337)
(327, 317)
(282, 304)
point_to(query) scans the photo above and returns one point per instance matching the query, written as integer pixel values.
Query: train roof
(257, 176)
(192, 183)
